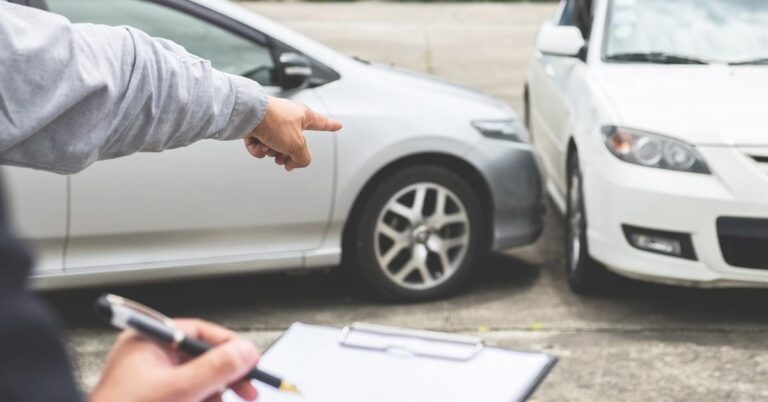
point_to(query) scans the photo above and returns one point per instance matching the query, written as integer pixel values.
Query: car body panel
(712, 105)
(39, 201)
(210, 209)
(209, 199)
(716, 108)
(514, 174)
(372, 104)
(552, 109)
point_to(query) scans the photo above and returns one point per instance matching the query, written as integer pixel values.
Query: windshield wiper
(761, 60)
(655, 57)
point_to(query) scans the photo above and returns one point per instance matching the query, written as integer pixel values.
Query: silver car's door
(551, 111)
(38, 207)
(207, 201)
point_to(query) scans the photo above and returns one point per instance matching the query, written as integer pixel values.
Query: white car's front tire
(585, 275)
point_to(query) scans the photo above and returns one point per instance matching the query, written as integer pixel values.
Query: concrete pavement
(640, 342)
(484, 46)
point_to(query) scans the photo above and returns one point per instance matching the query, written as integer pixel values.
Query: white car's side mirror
(560, 40)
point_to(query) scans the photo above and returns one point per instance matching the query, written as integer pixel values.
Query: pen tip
(289, 388)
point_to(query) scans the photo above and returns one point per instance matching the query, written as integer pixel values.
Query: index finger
(205, 330)
(318, 122)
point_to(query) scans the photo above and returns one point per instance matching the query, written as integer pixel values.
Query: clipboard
(373, 363)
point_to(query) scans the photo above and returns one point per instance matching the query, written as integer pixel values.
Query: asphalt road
(640, 342)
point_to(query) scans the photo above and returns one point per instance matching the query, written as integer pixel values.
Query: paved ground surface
(484, 46)
(639, 343)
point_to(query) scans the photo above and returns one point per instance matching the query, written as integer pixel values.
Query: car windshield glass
(722, 31)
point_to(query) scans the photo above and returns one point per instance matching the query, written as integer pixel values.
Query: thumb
(216, 369)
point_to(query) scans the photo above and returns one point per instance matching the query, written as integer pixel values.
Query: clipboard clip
(413, 343)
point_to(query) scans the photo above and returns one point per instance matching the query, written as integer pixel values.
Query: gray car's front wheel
(418, 234)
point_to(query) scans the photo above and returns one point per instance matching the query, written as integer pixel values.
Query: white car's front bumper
(618, 194)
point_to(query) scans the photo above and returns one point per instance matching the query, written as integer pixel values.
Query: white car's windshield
(687, 31)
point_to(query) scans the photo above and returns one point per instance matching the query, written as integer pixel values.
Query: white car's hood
(716, 105)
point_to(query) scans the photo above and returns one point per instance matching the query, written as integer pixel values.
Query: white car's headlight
(653, 150)
(510, 129)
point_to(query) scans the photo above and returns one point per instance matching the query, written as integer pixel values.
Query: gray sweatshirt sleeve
(71, 94)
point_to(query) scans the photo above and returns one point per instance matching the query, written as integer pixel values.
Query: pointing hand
(281, 134)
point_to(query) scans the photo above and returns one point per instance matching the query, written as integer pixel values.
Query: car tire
(585, 275)
(527, 109)
(406, 253)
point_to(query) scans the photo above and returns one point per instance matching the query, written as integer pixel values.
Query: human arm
(72, 94)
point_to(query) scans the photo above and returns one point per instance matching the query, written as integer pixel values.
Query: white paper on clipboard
(365, 363)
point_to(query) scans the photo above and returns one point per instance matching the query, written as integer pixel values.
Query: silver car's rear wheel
(417, 234)
(421, 235)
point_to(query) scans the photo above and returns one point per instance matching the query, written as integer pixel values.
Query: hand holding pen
(168, 373)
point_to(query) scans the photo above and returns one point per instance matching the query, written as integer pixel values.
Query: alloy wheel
(421, 236)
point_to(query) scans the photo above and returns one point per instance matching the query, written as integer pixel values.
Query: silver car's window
(226, 51)
(709, 30)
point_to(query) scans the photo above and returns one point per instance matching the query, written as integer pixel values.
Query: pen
(123, 313)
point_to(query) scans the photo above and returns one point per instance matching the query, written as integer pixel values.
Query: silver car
(425, 177)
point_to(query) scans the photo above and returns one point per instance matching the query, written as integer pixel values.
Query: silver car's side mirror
(560, 40)
(296, 70)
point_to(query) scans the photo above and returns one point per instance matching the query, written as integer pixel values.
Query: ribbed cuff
(249, 109)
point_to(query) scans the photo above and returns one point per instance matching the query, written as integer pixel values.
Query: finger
(271, 152)
(214, 398)
(205, 330)
(250, 142)
(281, 159)
(130, 340)
(126, 336)
(300, 158)
(255, 147)
(245, 390)
(261, 151)
(318, 122)
(290, 165)
(215, 370)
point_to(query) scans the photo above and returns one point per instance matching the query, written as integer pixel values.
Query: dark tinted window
(578, 13)
(227, 51)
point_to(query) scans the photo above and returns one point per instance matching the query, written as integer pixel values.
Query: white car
(425, 177)
(651, 117)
